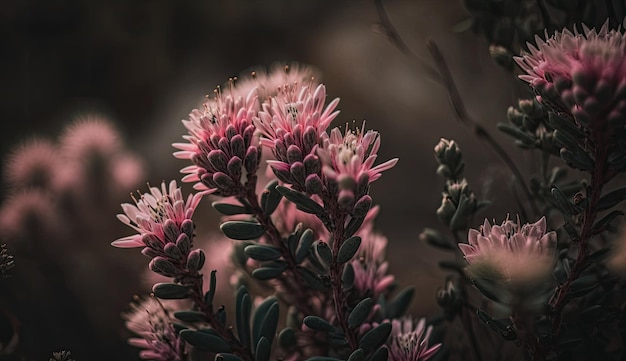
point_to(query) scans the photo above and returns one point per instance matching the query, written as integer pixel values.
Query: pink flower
(370, 268)
(291, 124)
(511, 254)
(268, 82)
(35, 163)
(582, 74)
(150, 320)
(88, 136)
(409, 341)
(162, 214)
(220, 144)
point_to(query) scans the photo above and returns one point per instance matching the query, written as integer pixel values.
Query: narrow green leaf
(359, 314)
(380, 355)
(611, 199)
(348, 249)
(259, 317)
(318, 323)
(302, 201)
(227, 357)
(601, 225)
(228, 209)
(353, 226)
(583, 285)
(306, 240)
(398, 306)
(270, 199)
(347, 277)
(210, 294)
(262, 252)
(357, 355)
(269, 323)
(242, 231)
(375, 337)
(242, 315)
(263, 348)
(170, 291)
(287, 338)
(190, 316)
(311, 279)
(503, 330)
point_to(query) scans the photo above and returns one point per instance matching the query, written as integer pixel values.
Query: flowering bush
(298, 247)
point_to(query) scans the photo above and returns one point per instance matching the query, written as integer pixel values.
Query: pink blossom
(370, 268)
(583, 74)
(89, 135)
(409, 341)
(150, 319)
(35, 163)
(220, 143)
(154, 211)
(511, 253)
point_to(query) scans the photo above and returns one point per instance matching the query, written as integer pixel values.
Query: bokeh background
(146, 64)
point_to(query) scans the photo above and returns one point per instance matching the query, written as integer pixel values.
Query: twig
(467, 120)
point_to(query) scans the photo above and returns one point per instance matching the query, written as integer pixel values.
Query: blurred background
(145, 65)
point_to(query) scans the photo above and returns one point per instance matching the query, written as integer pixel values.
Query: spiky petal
(409, 340)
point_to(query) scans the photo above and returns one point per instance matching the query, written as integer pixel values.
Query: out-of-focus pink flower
(370, 268)
(150, 319)
(291, 124)
(88, 136)
(30, 213)
(510, 253)
(220, 144)
(409, 341)
(583, 74)
(163, 214)
(127, 171)
(269, 81)
(35, 163)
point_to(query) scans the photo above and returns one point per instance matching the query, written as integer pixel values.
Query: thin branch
(392, 34)
(467, 120)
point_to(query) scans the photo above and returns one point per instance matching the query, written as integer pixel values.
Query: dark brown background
(148, 63)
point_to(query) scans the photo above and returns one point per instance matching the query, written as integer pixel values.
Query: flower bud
(237, 146)
(234, 169)
(183, 243)
(195, 260)
(251, 161)
(218, 160)
(346, 200)
(314, 184)
(294, 154)
(163, 267)
(152, 241)
(362, 206)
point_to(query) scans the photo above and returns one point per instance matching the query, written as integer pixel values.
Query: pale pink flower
(268, 81)
(155, 212)
(150, 319)
(353, 154)
(291, 124)
(512, 254)
(221, 144)
(30, 212)
(583, 74)
(88, 136)
(370, 268)
(409, 341)
(35, 163)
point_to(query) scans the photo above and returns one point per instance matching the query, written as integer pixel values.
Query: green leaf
(205, 341)
(318, 323)
(242, 231)
(323, 358)
(611, 199)
(228, 209)
(583, 285)
(243, 307)
(270, 198)
(323, 252)
(375, 337)
(210, 294)
(398, 306)
(262, 252)
(227, 357)
(302, 201)
(270, 323)
(353, 226)
(514, 132)
(311, 279)
(263, 348)
(601, 225)
(348, 249)
(360, 312)
(190, 316)
(436, 239)
(170, 291)
(263, 314)
(380, 355)
(272, 271)
(564, 203)
(287, 338)
(357, 355)
(347, 276)
(306, 240)
(491, 290)
(506, 331)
